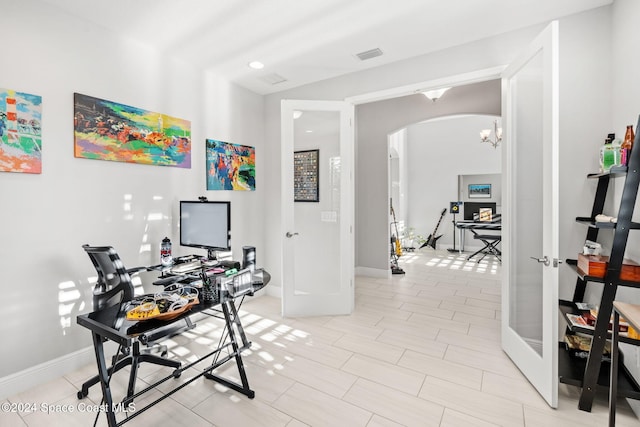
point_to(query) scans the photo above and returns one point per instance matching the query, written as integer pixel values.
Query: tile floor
(420, 349)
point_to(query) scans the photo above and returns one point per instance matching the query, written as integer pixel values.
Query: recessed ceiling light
(256, 65)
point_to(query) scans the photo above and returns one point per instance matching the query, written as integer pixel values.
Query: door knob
(544, 260)
(290, 234)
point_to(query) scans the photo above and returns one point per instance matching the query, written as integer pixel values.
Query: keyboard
(186, 267)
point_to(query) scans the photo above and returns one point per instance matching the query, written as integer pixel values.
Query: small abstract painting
(106, 130)
(230, 166)
(20, 132)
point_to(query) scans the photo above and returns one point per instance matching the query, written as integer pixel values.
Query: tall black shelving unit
(595, 372)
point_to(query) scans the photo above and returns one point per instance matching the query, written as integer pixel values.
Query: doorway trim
(453, 80)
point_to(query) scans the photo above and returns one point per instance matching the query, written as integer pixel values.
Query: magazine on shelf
(587, 321)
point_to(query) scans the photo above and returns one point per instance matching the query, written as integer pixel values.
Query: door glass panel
(317, 180)
(526, 279)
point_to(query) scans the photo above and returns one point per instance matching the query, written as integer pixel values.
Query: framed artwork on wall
(20, 132)
(107, 130)
(230, 166)
(479, 191)
(306, 183)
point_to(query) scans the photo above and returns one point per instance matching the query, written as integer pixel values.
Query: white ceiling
(310, 40)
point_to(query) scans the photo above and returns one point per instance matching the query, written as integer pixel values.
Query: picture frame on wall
(306, 182)
(108, 130)
(479, 191)
(20, 132)
(230, 166)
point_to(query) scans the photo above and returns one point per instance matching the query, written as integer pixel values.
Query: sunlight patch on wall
(68, 298)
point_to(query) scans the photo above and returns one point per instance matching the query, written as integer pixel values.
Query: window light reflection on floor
(450, 261)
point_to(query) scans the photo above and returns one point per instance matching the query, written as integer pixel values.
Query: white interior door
(530, 223)
(317, 208)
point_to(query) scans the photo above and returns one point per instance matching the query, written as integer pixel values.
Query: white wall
(438, 151)
(46, 276)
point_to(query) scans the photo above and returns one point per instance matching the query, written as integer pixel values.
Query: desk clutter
(163, 305)
(211, 278)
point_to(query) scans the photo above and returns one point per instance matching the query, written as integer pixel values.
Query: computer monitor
(471, 208)
(206, 225)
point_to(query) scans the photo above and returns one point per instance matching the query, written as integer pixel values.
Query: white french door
(530, 225)
(317, 208)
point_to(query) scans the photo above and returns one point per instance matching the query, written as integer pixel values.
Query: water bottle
(249, 257)
(165, 252)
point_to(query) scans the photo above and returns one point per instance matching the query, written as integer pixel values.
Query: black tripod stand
(454, 208)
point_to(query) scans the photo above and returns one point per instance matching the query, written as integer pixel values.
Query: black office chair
(114, 287)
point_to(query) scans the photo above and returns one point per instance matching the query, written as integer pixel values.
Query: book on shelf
(583, 342)
(579, 346)
(596, 266)
(585, 306)
(588, 320)
(578, 320)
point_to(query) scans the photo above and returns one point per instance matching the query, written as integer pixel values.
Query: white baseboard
(45, 372)
(274, 291)
(373, 272)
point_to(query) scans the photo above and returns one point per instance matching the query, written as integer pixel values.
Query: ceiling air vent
(273, 79)
(369, 54)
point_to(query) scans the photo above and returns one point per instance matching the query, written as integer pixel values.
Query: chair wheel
(81, 395)
(177, 373)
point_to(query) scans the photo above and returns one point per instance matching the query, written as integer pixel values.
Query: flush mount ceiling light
(435, 93)
(256, 65)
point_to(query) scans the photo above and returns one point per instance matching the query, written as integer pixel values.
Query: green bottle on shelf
(610, 153)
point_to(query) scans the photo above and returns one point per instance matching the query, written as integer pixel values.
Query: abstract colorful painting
(20, 132)
(106, 130)
(230, 166)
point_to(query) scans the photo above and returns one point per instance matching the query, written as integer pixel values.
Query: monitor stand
(212, 254)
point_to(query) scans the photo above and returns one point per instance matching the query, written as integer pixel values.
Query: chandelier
(486, 133)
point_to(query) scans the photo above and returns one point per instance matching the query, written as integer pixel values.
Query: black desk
(130, 333)
(473, 226)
